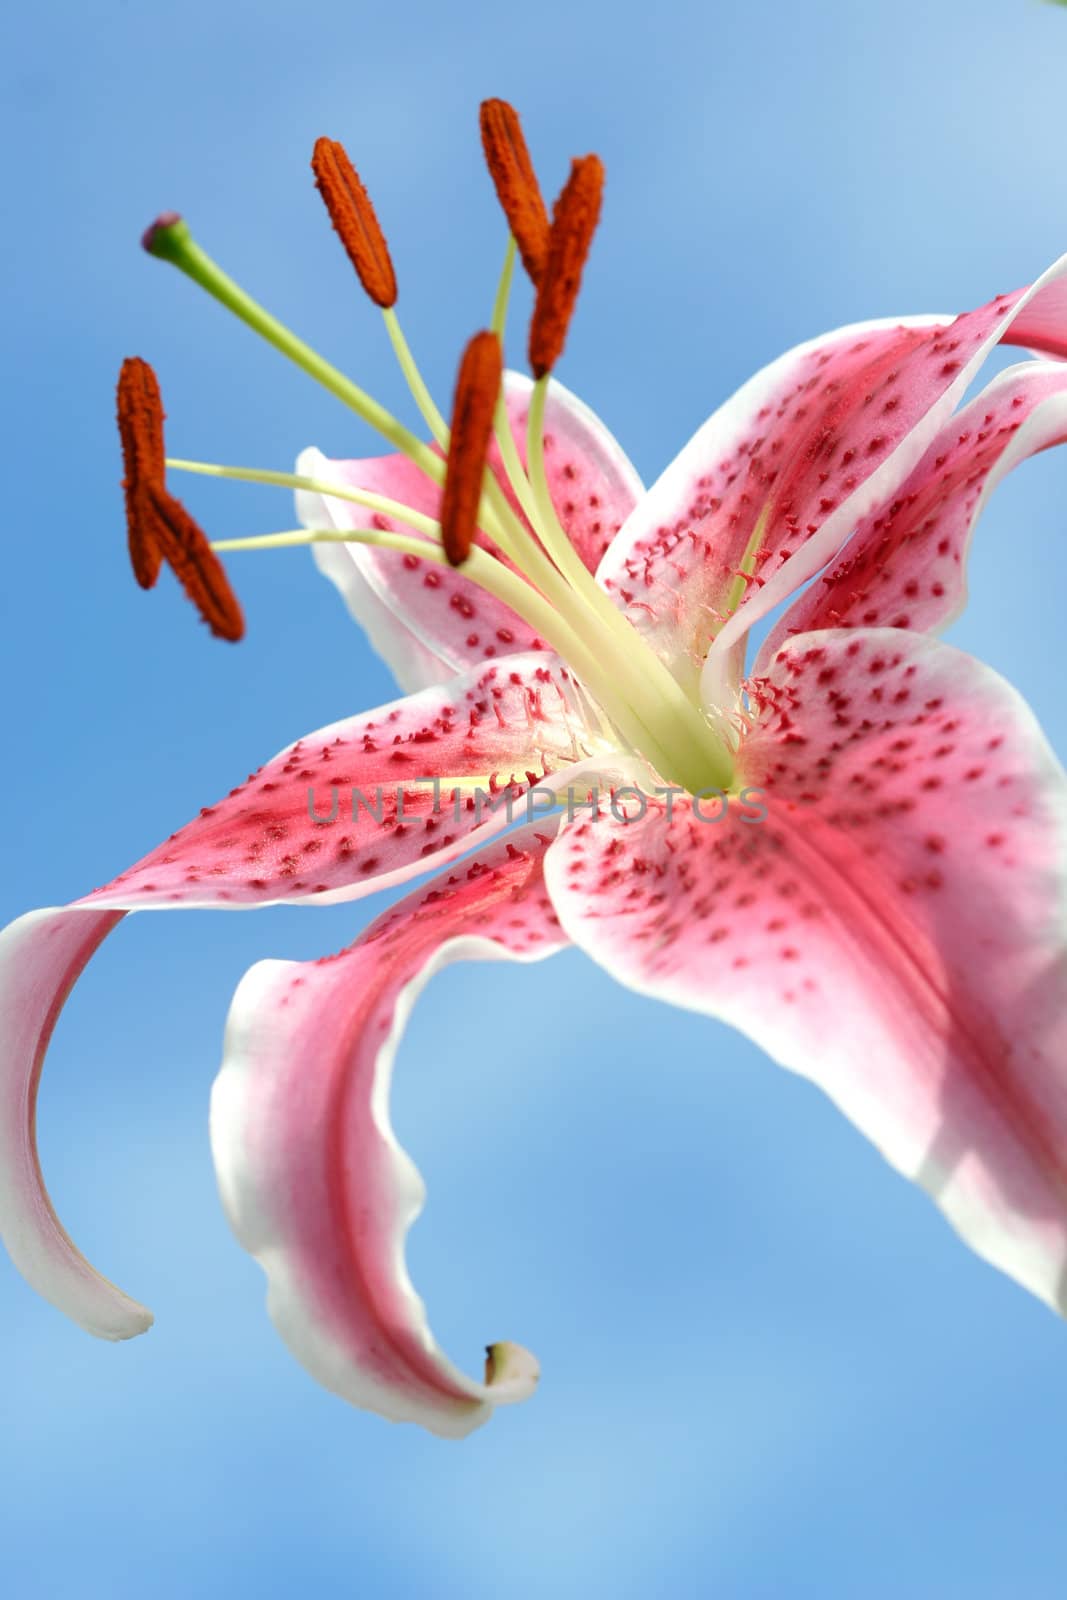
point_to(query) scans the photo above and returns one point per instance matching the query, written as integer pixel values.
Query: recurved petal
(894, 929)
(311, 1175)
(428, 621)
(333, 817)
(905, 566)
(41, 956)
(909, 405)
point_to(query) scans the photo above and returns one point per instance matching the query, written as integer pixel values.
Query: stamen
(515, 181)
(197, 568)
(140, 417)
(477, 388)
(354, 220)
(574, 219)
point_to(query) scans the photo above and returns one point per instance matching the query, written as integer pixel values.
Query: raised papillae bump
(198, 569)
(477, 388)
(140, 418)
(574, 219)
(354, 220)
(515, 182)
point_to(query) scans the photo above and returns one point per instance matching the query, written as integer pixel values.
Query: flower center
(530, 564)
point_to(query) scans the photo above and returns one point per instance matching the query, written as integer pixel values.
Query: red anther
(574, 219)
(198, 569)
(515, 182)
(140, 417)
(477, 388)
(354, 220)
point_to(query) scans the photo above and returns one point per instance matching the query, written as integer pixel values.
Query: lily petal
(429, 622)
(905, 567)
(41, 956)
(353, 807)
(313, 1180)
(259, 846)
(894, 930)
(767, 491)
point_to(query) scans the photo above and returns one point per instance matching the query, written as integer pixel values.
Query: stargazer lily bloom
(855, 853)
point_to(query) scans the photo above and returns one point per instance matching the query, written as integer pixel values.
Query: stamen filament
(324, 486)
(296, 480)
(498, 321)
(513, 467)
(413, 377)
(546, 521)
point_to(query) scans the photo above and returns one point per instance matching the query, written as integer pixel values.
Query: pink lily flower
(855, 853)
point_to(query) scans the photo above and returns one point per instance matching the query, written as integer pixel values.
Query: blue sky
(769, 1367)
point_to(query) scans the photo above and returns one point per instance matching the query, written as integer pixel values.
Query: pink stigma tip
(166, 219)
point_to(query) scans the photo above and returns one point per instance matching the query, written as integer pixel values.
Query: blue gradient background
(769, 1367)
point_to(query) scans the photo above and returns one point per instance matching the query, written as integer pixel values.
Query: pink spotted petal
(429, 621)
(894, 930)
(779, 476)
(313, 1180)
(892, 418)
(905, 566)
(260, 845)
(679, 557)
(353, 808)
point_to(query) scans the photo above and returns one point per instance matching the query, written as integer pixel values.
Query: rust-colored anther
(140, 414)
(574, 219)
(515, 182)
(198, 569)
(477, 387)
(354, 220)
